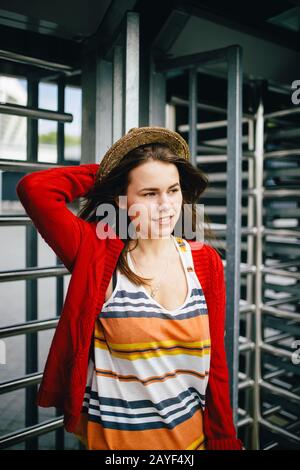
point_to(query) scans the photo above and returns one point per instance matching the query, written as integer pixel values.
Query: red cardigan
(91, 261)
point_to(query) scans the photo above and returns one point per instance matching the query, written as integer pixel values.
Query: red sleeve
(44, 195)
(218, 415)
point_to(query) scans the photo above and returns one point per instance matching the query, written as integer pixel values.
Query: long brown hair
(193, 183)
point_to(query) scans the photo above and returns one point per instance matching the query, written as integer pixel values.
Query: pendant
(153, 292)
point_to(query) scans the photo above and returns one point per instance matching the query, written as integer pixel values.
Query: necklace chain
(155, 289)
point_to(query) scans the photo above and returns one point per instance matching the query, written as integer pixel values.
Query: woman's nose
(164, 203)
(164, 199)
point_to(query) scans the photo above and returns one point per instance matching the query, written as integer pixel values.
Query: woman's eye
(151, 194)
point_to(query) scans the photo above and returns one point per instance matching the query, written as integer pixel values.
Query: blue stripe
(144, 304)
(157, 314)
(146, 415)
(143, 426)
(136, 404)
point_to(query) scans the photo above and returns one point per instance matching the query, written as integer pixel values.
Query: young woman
(138, 358)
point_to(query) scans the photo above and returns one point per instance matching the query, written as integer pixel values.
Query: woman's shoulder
(199, 246)
(204, 251)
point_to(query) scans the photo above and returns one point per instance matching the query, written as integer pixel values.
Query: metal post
(233, 231)
(249, 320)
(157, 97)
(31, 410)
(193, 100)
(117, 97)
(60, 433)
(104, 110)
(96, 108)
(259, 156)
(132, 72)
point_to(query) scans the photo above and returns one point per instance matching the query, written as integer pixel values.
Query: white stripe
(139, 420)
(147, 409)
(145, 368)
(156, 391)
(133, 302)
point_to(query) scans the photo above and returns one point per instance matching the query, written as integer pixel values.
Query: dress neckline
(186, 276)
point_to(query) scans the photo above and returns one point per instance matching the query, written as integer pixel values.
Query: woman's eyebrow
(154, 189)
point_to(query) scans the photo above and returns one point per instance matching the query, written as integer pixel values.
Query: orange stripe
(135, 330)
(180, 437)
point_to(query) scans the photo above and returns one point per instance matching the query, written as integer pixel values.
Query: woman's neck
(150, 248)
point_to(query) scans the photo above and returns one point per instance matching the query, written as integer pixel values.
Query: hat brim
(142, 136)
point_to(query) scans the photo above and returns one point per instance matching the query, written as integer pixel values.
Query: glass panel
(73, 129)
(47, 148)
(13, 129)
(47, 129)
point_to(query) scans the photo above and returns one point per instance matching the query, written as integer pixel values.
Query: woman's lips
(164, 220)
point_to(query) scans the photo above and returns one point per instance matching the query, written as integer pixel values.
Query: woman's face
(154, 199)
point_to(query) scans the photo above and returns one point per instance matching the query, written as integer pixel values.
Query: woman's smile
(164, 220)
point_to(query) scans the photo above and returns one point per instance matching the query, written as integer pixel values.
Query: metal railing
(32, 326)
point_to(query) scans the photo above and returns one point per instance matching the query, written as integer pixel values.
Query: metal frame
(111, 92)
(252, 385)
(32, 273)
(218, 155)
(269, 351)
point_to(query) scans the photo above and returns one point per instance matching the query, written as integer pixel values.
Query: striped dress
(149, 368)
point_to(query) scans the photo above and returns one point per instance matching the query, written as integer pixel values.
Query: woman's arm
(44, 195)
(218, 415)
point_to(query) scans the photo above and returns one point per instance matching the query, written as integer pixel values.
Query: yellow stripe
(158, 344)
(181, 244)
(198, 444)
(148, 354)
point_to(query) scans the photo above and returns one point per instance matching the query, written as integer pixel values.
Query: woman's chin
(163, 230)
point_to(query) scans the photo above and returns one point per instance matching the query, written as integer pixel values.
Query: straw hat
(140, 136)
